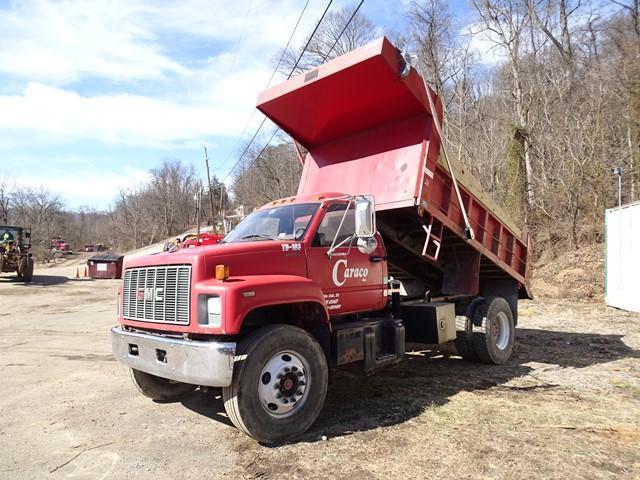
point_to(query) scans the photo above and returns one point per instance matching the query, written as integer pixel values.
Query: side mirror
(365, 218)
(367, 245)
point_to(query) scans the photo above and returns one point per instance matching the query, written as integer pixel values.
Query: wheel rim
(500, 330)
(284, 383)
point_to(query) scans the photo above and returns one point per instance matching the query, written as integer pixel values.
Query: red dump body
(368, 130)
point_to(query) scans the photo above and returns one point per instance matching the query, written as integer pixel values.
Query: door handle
(377, 258)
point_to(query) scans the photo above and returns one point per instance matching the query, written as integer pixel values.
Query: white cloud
(92, 188)
(60, 42)
(60, 48)
(119, 118)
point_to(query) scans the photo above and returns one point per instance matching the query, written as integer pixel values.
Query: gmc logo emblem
(150, 294)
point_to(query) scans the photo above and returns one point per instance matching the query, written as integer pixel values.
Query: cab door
(351, 281)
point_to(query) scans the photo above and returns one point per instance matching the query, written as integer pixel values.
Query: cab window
(330, 223)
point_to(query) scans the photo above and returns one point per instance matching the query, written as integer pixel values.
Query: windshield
(289, 222)
(9, 234)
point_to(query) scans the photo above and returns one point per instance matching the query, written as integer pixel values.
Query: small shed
(622, 257)
(105, 266)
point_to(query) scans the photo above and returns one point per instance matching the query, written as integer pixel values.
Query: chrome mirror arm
(332, 249)
(333, 246)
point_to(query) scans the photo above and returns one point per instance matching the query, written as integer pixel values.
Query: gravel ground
(567, 406)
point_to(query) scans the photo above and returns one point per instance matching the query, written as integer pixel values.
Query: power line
(288, 77)
(244, 25)
(275, 70)
(263, 148)
(355, 12)
(246, 149)
(286, 46)
(323, 59)
(294, 67)
(306, 45)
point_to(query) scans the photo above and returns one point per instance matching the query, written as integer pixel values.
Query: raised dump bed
(364, 119)
(302, 285)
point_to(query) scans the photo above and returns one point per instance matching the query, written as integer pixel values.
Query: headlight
(214, 311)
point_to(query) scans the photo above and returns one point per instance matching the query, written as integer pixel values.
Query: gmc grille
(157, 294)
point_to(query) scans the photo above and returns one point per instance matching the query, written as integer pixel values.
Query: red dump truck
(372, 252)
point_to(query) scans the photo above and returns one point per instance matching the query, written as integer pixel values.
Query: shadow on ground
(37, 280)
(208, 403)
(356, 402)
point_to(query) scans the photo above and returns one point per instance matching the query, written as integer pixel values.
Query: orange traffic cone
(78, 272)
(86, 272)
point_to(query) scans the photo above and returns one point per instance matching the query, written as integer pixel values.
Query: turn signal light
(222, 272)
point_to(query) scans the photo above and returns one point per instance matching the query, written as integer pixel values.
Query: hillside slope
(574, 274)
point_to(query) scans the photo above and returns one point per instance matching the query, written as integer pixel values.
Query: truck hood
(243, 258)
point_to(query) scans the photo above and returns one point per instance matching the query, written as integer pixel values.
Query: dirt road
(567, 406)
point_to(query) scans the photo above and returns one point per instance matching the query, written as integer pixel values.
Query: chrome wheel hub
(283, 383)
(500, 330)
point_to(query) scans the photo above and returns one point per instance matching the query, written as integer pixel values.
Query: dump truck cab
(372, 252)
(293, 253)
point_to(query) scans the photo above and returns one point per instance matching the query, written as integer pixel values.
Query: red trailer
(193, 240)
(371, 253)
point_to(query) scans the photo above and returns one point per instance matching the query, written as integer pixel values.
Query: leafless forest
(541, 98)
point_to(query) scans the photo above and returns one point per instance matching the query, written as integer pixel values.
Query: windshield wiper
(257, 235)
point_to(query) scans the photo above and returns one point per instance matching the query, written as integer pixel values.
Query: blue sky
(95, 93)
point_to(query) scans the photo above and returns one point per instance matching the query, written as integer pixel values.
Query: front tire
(26, 269)
(280, 378)
(160, 389)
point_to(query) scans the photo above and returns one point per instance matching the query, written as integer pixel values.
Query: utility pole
(618, 171)
(206, 163)
(198, 208)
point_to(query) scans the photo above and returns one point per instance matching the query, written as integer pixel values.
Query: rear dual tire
(490, 333)
(464, 342)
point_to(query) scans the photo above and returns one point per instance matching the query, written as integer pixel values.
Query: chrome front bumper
(189, 361)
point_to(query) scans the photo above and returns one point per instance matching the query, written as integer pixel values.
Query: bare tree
(273, 175)
(163, 207)
(505, 23)
(556, 28)
(328, 43)
(633, 9)
(39, 209)
(5, 199)
(441, 57)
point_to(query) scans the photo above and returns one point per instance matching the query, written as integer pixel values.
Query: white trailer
(622, 257)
